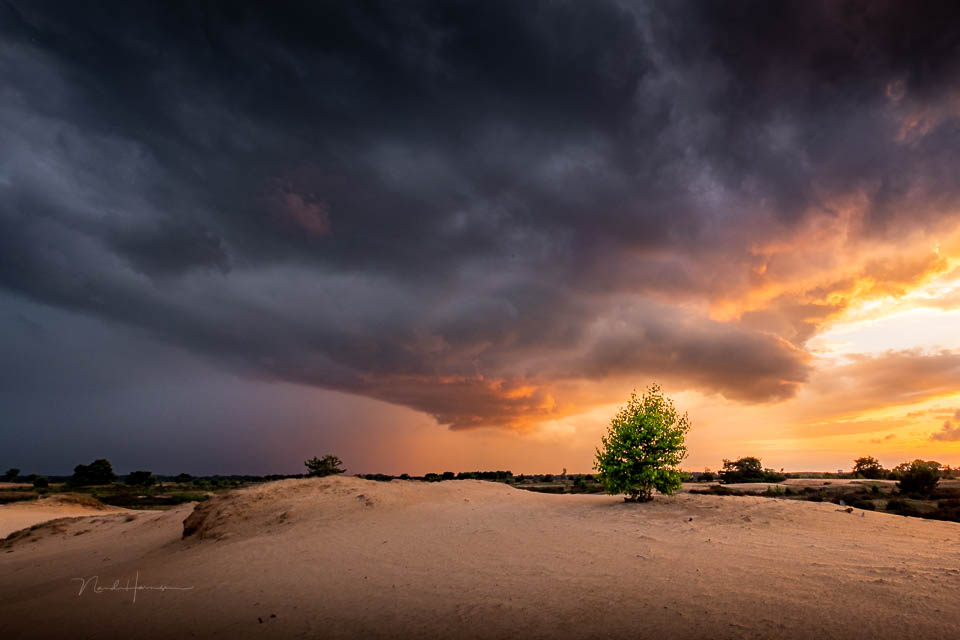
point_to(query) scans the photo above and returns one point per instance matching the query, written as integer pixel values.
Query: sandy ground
(20, 515)
(349, 558)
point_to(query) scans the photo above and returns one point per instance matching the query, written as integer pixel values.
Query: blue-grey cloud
(437, 203)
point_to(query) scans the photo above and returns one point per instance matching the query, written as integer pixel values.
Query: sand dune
(349, 558)
(20, 515)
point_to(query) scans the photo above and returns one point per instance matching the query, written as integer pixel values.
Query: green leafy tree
(326, 466)
(643, 448)
(11, 474)
(99, 471)
(869, 467)
(919, 476)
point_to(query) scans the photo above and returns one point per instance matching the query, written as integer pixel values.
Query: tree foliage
(11, 474)
(99, 471)
(643, 447)
(328, 465)
(748, 469)
(919, 476)
(869, 467)
(140, 479)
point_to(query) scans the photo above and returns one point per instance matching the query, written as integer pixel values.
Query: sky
(430, 236)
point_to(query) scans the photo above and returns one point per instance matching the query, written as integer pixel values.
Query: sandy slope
(19, 515)
(346, 558)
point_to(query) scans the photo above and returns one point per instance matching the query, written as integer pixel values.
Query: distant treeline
(543, 483)
(101, 472)
(495, 476)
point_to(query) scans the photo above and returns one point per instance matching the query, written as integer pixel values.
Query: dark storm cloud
(443, 204)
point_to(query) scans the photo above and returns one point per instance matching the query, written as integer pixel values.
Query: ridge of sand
(20, 515)
(350, 558)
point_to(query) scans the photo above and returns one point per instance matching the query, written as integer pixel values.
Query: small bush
(719, 490)
(140, 479)
(869, 467)
(895, 504)
(854, 501)
(40, 483)
(918, 476)
(748, 469)
(98, 472)
(328, 465)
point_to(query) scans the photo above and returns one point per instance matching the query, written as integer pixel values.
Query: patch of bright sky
(923, 328)
(925, 318)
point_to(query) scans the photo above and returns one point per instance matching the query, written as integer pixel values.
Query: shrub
(854, 501)
(11, 474)
(869, 467)
(748, 469)
(947, 510)
(328, 465)
(719, 490)
(40, 482)
(706, 476)
(643, 447)
(99, 471)
(895, 504)
(140, 479)
(183, 478)
(918, 476)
